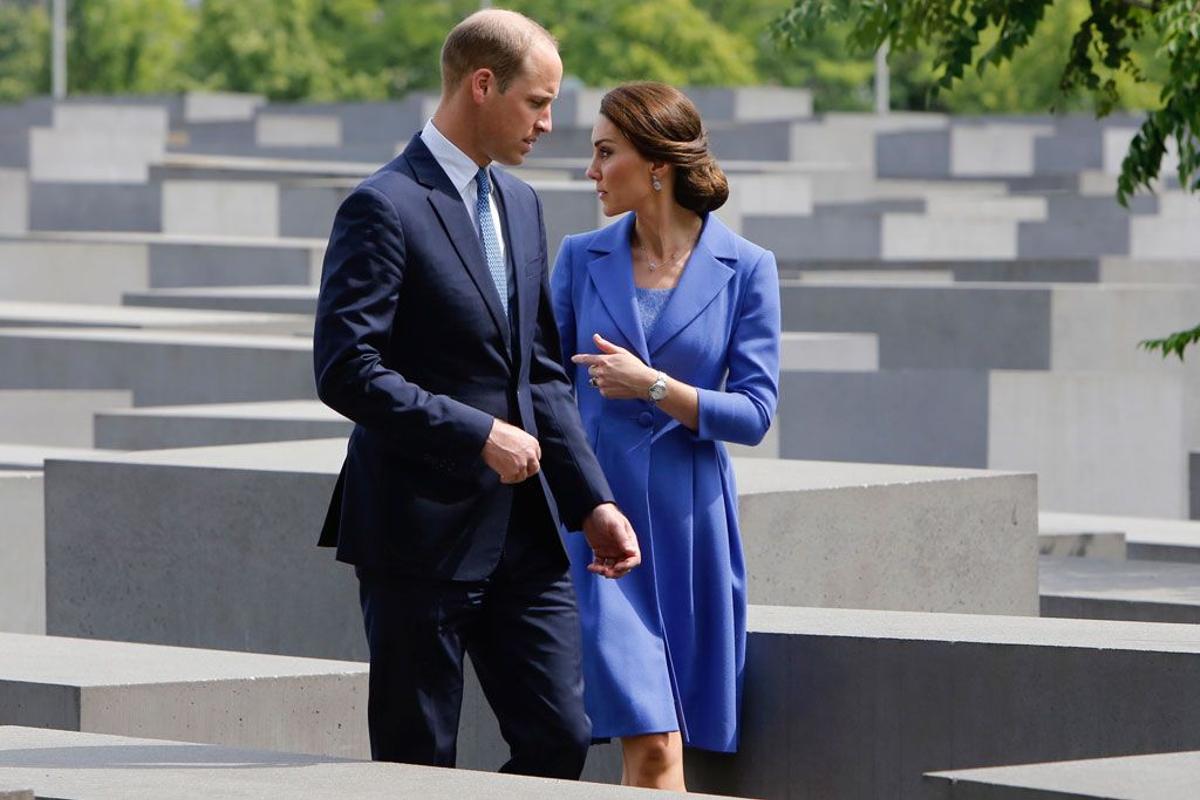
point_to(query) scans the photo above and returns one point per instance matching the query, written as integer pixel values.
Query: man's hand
(614, 545)
(512, 453)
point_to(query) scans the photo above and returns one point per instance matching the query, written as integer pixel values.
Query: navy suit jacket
(412, 344)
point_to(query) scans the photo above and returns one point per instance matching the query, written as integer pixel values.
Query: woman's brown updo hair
(663, 125)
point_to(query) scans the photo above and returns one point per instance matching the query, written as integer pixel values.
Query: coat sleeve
(743, 411)
(361, 281)
(570, 466)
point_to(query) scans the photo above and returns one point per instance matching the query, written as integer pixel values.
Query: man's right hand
(511, 453)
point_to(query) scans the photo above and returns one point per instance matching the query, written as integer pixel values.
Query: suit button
(645, 419)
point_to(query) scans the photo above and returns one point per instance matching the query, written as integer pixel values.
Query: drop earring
(656, 183)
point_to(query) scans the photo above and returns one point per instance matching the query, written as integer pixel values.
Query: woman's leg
(653, 761)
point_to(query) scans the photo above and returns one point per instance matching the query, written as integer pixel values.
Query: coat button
(645, 419)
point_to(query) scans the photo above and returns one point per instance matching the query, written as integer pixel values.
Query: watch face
(658, 390)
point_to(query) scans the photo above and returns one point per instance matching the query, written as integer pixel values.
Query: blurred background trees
(374, 49)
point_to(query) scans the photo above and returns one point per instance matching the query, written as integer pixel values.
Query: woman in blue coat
(670, 323)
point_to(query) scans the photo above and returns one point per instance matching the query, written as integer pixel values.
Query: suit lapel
(460, 228)
(516, 243)
(704, 277)
(611, 272)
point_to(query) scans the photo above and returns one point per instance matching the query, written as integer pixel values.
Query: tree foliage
(128, 46)
(1107, 46)
(24, 51)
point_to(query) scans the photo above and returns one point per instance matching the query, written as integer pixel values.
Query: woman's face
(622, 176)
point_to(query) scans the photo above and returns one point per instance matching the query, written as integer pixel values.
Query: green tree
(1108, 49)
(128, 46)
(668, 40)
(24, 51)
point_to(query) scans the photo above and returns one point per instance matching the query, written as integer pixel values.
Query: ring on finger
(592, 381)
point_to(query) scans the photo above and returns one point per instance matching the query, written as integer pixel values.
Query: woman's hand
(617, 373)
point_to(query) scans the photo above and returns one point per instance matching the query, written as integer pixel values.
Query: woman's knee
(654, 753)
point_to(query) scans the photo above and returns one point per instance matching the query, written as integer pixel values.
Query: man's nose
(544, 122)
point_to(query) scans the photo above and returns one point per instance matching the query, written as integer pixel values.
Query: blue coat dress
(664, 647)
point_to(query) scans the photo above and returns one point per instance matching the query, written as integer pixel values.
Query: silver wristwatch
(658, 389)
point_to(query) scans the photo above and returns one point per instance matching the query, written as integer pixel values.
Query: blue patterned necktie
(489, 237)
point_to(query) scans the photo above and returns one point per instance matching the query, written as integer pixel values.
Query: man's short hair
(495, 39)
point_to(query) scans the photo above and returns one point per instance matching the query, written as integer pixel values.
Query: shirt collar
(459, 166)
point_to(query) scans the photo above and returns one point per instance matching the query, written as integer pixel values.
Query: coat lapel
(611, 272)
(448, 205)
(704, 277)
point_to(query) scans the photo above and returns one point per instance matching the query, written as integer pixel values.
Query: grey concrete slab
(300, 705)
(851, 352)
(1161, 776)
(1147, 538)
(23, 457)
(221, 208)
(270, 299)
(1146, 591)
(73, 315)
(54, 418)
(85, 766)
(1123, 269)
(828, 234)
(14, 200)
(16, 794)
(159, 367)
(844, 703)
(1103, 544)
(1057, 424)
(1066, 270)
(1194, 485)
(62, 206)
(163, 427)
(307, 209)
(932, 417)
(966, 326)
(913, 154)
(96, 267)
(814, 533)
(218, 106)
(23, 542)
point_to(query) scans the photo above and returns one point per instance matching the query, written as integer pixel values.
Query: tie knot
(481, 180)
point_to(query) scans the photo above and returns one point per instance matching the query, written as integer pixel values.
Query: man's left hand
(614, 544)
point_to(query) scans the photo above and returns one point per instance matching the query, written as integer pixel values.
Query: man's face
(513, 120)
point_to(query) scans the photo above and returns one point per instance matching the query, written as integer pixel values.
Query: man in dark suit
(434, 333)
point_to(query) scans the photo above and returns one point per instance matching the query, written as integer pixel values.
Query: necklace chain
(674, 257)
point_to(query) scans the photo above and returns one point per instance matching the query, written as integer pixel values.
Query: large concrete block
(830, 690)
(908, 236)
(1056, 270)
(98, 145)
(54, 418)
(1161, 776)
(220, 208)
(300, 705)
(828, 234)
(993, 150)
(220, 106)
(163, 427)
(23, 542)
(1147, 538)
(750, 103)
(71, 272)
(862, 536)
(71, 206)
(84, 766)
(269, 299)
(1096, 588)
(72, 315)
(159, 367)
(226, 261)
(297, 130)
(1099, 441)
(14, 200)
(307, 208)
(1124, 269)
(835, 534)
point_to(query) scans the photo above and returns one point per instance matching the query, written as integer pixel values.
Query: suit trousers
(520, 627)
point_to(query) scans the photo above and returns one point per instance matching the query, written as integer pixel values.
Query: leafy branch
(1102, 48)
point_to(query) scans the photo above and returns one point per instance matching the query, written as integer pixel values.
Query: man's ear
(483, 82)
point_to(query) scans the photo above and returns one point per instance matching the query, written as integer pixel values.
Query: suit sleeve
(570, 465)
(361, 282)
(743, 411)
(563, 302)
